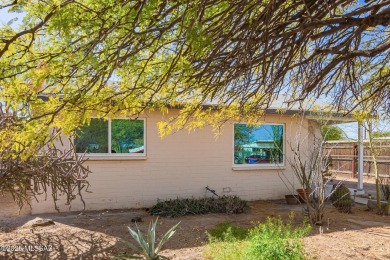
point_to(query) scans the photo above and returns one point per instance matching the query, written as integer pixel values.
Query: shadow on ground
(96, 235)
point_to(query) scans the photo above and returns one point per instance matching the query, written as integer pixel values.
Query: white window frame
(249, 167)
(117, 156)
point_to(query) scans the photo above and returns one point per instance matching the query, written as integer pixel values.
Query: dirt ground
(96, 235)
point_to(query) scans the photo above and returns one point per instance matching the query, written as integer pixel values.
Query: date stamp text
(25, 248)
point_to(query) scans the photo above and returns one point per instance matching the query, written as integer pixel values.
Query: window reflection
(93, 138)
(127, 136)
(124, 136)
(258, 145)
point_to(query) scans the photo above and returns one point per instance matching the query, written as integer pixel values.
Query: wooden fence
(344, 156)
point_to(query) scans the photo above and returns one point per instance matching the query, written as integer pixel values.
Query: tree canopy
(376, 134)
(126, 55)
(123, 57)
(331, 132)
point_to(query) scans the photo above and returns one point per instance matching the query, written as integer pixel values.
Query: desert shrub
(385, 187)
(180, 207)
(226, 232)
(273, 239)
(341, 198)
(226, 242)
(276, 240)
(226, 250)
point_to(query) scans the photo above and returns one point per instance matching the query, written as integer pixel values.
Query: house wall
(182, 165)
(9, 208)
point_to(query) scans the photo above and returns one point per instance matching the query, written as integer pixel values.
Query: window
(261, 145)
(113, 136)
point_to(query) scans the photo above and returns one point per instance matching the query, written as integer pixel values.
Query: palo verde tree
(377, 147)
(124, 57)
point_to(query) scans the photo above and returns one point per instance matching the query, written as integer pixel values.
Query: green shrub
(270, 240)
(276, 240)
(181, 207)
(225, 232)
(232, 250)
(226, 242)
(341, 198)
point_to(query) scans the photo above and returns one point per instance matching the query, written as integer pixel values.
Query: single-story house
(133, 167)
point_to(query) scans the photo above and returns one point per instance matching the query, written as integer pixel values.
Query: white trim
(254, 167)
(249, 167)
(117, 156)
(112, 157)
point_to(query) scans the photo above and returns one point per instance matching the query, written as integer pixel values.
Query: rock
(371, 204)
(42, 223)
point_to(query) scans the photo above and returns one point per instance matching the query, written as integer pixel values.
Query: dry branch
(55, 171)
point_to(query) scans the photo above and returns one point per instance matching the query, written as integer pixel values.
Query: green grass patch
(273, 239)
(276, 240)
(226, 232)
(180, 207)
(226, 242)
(232, 250)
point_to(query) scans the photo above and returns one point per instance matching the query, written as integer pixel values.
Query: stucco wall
(9, 208)
(182, 165)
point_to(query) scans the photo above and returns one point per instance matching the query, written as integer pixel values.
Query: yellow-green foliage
(226, 231)
(124, 57)
(226, 241)
(105, 58)
(272, 239)
(226, 250)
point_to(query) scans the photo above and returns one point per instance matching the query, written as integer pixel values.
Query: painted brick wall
(182, 165)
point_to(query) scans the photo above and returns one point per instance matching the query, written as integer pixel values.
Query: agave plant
(147, 245)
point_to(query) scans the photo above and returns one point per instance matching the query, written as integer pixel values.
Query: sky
(350, 130)
(5, 17)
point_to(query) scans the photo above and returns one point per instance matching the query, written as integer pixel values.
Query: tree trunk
(377, 182)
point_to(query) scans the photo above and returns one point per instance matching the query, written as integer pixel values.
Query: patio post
(360, 159)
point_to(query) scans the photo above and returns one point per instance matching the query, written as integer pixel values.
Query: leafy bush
(226, 242)
(341, 198)
(270, 240)
(276, 240)
(226, 232)
(230, 250)
(147, 245)
(181, 207)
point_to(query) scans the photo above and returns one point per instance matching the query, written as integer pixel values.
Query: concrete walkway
(360, 200)
(351, 183)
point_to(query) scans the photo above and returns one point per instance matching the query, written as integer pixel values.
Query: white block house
(132, 167)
